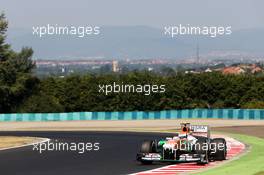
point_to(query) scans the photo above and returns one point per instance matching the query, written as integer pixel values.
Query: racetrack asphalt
(117, 154)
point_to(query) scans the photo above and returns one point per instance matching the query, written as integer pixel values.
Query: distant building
(115, 66)
(192, 72)
(208, 70)
(233, 70)
(242, 68)
(150, 69)
(255, 69)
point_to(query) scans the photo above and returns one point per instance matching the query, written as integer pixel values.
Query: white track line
(29, 144)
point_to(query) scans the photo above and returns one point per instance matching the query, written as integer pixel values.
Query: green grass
(250, 164)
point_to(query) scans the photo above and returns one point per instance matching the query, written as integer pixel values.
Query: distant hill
(135, 42)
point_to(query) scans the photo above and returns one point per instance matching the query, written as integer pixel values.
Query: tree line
(183, 91)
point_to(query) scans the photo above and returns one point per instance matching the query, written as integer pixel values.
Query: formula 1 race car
(192, 144)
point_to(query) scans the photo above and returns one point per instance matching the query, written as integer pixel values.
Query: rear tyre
(219, 148)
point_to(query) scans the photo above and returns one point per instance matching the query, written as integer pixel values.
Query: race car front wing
(182, 158)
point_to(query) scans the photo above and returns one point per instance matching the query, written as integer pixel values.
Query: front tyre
(201, 148)
(147, 146)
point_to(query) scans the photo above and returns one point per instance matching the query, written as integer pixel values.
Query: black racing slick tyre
(219, 149)
(147, 146)
(202, 150)
(200, 144)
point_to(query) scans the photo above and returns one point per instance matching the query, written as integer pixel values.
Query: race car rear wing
(203, 130)
(200, 130)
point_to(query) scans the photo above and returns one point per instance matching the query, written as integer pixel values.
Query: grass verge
(249, 164)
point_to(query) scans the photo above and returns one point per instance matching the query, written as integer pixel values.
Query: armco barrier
(244, 114)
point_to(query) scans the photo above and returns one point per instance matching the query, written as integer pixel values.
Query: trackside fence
(242, 114)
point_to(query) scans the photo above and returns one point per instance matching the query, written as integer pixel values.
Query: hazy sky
(237, 13)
